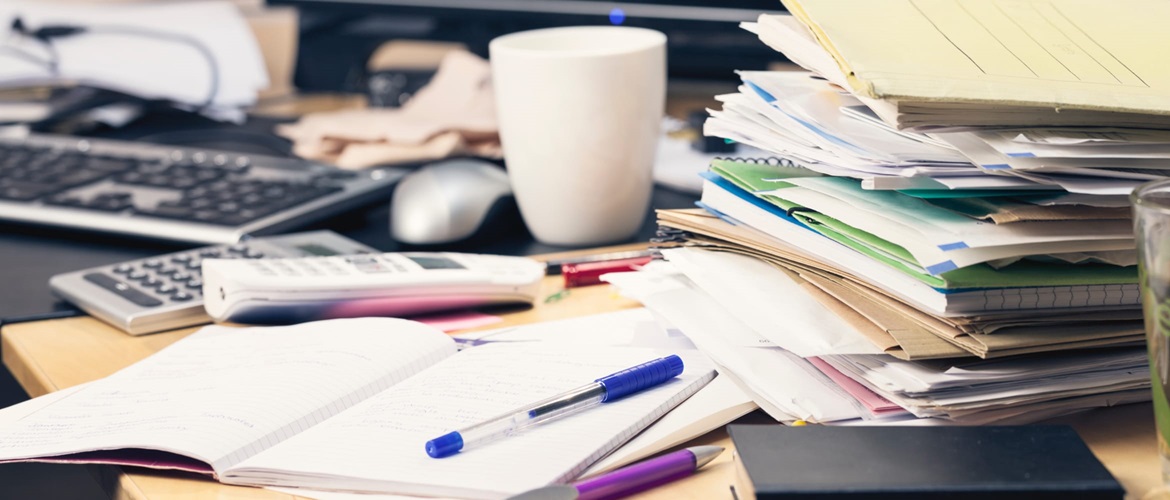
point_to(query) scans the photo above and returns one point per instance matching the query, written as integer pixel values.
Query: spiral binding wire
(771, 160)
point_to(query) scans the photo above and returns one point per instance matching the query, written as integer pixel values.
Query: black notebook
(1032, 462)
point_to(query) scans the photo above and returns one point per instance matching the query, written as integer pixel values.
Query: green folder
(755, 178)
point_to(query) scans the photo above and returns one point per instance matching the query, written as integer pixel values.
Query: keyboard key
(13, 189)
(181, 297)
(76, 178)
(183, 182)
(113, 202)
(168, 211)
(206, 216)
(199, 203)
(122, 289)
(65, 200)
(108, 164)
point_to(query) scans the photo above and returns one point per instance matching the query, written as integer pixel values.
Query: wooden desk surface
(52, 355)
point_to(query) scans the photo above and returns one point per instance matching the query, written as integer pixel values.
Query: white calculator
(166, 292)
(282, 291)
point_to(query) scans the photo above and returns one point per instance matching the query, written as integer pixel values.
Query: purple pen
(645, 475)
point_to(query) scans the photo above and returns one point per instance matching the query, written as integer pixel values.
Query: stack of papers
(1017, 390)
(944, 231)
(1093, 152)
(757, 349)
(1000, 63)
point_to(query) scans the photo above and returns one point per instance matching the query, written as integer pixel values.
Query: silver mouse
(445, 201)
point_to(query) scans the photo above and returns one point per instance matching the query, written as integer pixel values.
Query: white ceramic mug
(579, 112)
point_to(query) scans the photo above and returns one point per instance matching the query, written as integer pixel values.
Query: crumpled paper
(453, 115)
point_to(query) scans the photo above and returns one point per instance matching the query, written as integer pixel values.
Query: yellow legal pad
(948, 57)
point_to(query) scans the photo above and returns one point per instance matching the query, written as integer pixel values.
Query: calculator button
(181, 297)
(166, 288)
(152, 263)
(150, 281)
(180, 275)
(123, 268)
(166, 271)
(195, 265)
(195, 284)
(181, 259)
(122, 289)
(136, 274)
(210, 252)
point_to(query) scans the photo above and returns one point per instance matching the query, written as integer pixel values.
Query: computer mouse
(447, 201)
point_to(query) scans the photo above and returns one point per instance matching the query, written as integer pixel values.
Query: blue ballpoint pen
(603, 390)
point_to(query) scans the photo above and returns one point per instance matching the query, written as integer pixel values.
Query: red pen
(589, 273)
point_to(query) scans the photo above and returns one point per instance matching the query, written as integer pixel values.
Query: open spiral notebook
(342, 405)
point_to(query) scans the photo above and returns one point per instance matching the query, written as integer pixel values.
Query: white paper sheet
(770, 303)
(784, 385)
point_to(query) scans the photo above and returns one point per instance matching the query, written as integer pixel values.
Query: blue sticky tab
(941, 267)
(953, 246)
(446, 445)
(998, 166)
(1025, 154)
(761, 92)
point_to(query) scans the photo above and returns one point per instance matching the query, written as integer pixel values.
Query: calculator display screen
(317, 250)
(434, 262)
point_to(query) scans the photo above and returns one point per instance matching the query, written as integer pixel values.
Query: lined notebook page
(224, 393)
(378, 444)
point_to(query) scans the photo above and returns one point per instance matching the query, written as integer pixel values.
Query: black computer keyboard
(179, 194)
